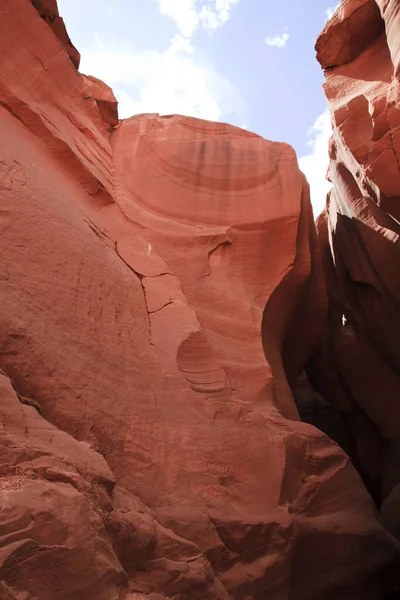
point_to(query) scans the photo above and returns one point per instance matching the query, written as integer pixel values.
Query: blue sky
(247, 62)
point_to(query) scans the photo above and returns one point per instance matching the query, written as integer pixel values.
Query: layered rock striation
(161, 289)
(358, 367)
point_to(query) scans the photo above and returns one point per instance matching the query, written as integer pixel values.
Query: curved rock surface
(156, 278)
(358, 368)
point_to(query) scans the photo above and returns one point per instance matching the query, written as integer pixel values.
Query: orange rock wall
(358, 368)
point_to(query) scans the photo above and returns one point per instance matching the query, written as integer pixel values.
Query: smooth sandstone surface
(161, 290)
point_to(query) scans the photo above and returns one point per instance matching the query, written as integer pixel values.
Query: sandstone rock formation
(161, 292)
(358, 368)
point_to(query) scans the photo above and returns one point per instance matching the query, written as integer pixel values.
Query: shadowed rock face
(358, 367)
(161, 291)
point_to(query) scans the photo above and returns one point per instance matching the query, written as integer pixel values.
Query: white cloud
(173, 80)
(183, 12)
(188, 14)
(168, 81)
(216, 13)
(331, 11)
(279, 41)
(315, 164)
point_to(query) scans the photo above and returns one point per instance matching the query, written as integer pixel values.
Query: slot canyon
(199, 382)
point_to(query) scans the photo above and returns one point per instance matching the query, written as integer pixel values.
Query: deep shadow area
(317, 411)
(393, 595)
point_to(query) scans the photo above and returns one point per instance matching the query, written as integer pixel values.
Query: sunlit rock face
(161, 291)
(358, 369)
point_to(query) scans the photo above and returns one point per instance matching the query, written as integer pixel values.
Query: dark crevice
(29, 402)
(315, 410)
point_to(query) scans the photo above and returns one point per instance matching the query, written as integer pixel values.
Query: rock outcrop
(358, 367)
(161, 291)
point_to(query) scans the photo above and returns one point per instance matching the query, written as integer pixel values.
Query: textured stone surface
(51, 494)
(155, 282)
(358, 368)
(48, 10)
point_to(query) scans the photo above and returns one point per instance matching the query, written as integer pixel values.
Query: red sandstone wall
(358, 369)
(160, 289)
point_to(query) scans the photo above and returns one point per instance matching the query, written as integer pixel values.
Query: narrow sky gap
(226, 60)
